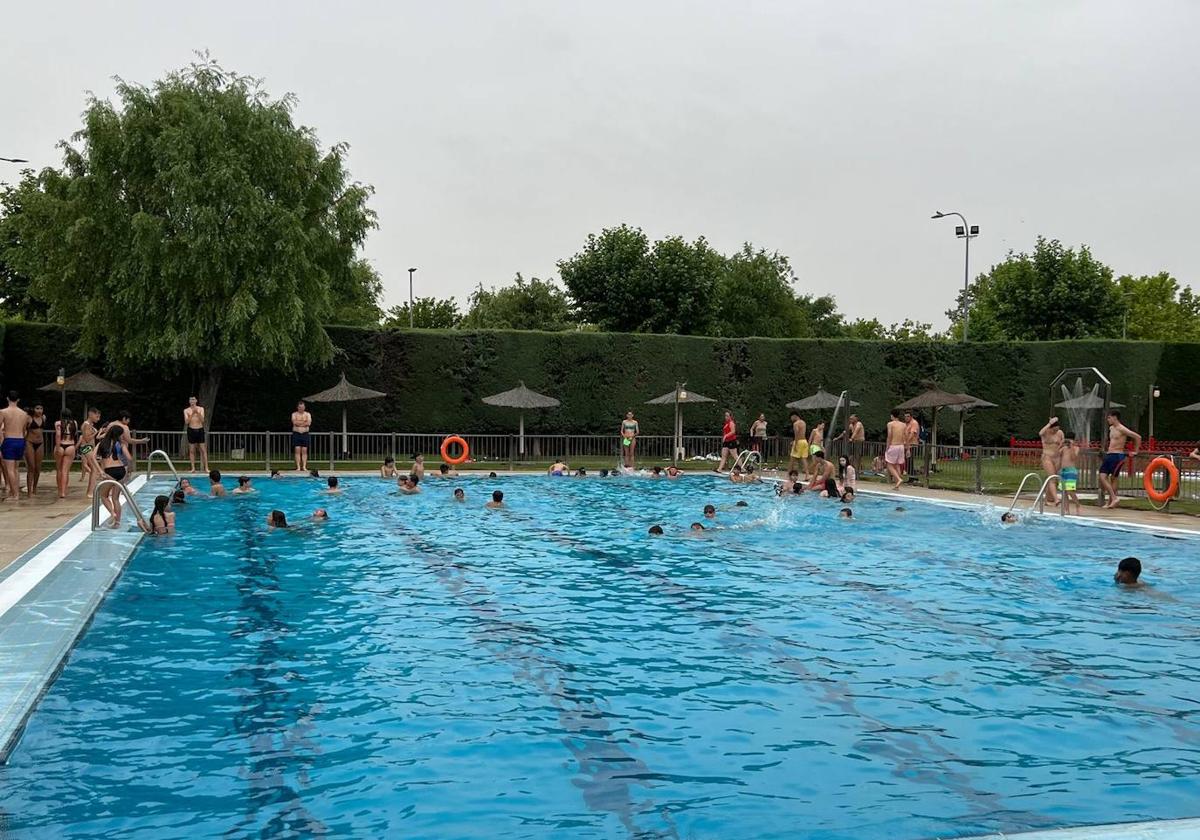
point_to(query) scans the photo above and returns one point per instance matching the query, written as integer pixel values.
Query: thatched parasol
(1192, 407)
(677, 397)
(962, 410)
(935, 398)
(344, 392)
(822, 400)
(524, 399)
(84, 382)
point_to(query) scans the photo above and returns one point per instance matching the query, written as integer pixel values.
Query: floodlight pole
(411, 272)
(968, 236)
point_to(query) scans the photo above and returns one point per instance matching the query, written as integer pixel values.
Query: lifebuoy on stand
(459, 459)
(1155, 495)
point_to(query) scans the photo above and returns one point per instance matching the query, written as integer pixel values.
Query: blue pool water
(420, 668)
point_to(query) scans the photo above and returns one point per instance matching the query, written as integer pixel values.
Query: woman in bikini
(162, 519)
(89, 433)
(108, 454)
(66, 436)
(34, 438)
(629, 434)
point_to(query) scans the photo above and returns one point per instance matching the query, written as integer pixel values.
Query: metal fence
(978, 469)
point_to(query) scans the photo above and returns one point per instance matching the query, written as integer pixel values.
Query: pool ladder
(108, 482)
(744, 458)
(165, 457)
(1039, 501)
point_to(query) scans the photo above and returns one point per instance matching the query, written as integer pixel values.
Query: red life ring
(461, 459)
(1160, 496)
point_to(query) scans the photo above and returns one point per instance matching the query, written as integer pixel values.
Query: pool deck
(29, 521)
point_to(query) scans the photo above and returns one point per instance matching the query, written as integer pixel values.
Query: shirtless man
(799, 453)
(14, 423)
(193, 420)
(854, 434)
(1052, 440)
(1068, 474)
(816, 446)
(1114, 459)
(894, 455)
(823, 477)
(912, 439)
(301, 423)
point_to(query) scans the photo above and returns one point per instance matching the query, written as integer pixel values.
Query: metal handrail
(1040, 499)
(165, 457)
(1020, 488)
(128, 496)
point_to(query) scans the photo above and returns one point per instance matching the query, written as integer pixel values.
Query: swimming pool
(417, 667)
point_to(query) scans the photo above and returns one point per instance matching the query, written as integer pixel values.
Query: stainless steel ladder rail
(108, 482)
(743, 459)
(1021, 488)
(165, 457)
(1040, 500)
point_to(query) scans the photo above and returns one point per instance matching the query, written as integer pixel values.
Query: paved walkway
(26, 523)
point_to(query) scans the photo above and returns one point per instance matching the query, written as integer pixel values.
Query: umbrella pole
(677, 438)
(962, 416)
(345, 434)
(521, 434)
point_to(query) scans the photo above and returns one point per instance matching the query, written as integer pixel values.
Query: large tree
(1155, 308)
(194, 224)
(523, 305)
(16, 298)
(427, 313)
(1053, 293)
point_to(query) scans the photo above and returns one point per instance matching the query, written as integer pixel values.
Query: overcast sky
(498, 135)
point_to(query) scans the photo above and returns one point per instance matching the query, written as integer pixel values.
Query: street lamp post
(411, 272)
(968, 233)
(1154, 394)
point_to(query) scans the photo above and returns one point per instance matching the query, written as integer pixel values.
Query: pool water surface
(425, 668)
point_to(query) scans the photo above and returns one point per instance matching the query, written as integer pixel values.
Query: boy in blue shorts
(1068, 473)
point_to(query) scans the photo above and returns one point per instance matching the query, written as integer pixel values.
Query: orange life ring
(461, 459)
(1160, 496)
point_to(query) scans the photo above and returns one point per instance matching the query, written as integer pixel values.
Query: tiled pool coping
(49, 595)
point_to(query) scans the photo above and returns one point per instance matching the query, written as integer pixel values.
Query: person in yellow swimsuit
(799, 453)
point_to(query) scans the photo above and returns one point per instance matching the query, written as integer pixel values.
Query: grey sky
(498, 135)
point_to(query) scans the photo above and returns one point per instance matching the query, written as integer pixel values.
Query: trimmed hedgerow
(435, 379)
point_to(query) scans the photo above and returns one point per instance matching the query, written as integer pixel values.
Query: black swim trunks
(195, 435)
(300, 439)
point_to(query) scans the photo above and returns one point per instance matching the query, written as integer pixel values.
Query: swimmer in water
(187, 489)
(276, 474)
(1128, 572)
(696, 526)
(1009, 518)
(276, 519)
(558, 468)
(673, 471)
(497, 500)
(214, 480)
(845, 513)
(408, 485)
(656, 472)
(447, 471)
(320, 515)
(581, 473)
(848, 495)
(388, 470)
(243, 487)
(710, 512)
(333, 485)
(459, 495)
(656, 530)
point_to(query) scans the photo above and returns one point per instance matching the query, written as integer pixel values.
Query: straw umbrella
(523, 399)
(83, 382)
(936, 398)
(1192, 407)
(820, 401)
(677, 397)
(962, 410)
(344, 392)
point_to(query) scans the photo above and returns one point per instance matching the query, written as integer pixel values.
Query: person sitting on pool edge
(823, 476)
(558, 468)
(1128, 572)
(710, 512)
(459, 495)
(388, 470)
(214, 479)
(276, 519)
(497, 500)
(408, 485)
(243, 486)
(418, 467)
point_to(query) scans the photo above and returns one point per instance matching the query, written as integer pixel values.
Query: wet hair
(314, 473)
(696, 526)
(278, 519)
(1007, 517)
(709, 509)
(656, 530)
(413, 478)
(243, 480)
(178, 497)
(389, 460)
(657, 470)
(604, 472)
(1131, 566)
(581, 472)
(798, 487)
(492, 474)
(497, 495)
(214, 476)
(320, 513)
(848, 495)
(443, 468)
(900, 508)
(160, 510)
(332, 481)
(458, 491)
(846, 513)
(742, 503)
(274, 473)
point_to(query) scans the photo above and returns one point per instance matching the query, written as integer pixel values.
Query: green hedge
(435, 379)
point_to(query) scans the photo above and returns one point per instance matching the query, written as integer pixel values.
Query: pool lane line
(836, 693)
(610, 770)
(26, 578)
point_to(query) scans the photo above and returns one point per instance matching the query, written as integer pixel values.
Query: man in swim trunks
(1052, 440)
(823, 477)
(1114, 459)
(193, 420)
(816, 446)
(14, 423)
(894, 455)
(1068, 473)
(629, 434)
(301, 424)
(912, 439)
(799, 454)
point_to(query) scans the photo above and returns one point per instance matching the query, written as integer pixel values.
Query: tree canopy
(195, 224)
(524, 305)
(428, 313)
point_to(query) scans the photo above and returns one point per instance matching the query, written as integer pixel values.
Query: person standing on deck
(758, 436)
(1052, 441)
(1068, 475)
(729, 440)
(193, 420)
(816, 446)
(629, 434)
(894, 455)
(1110, 467)
(799, 455)
(89, 438)
(14, 423)
(301, 424)
(912, 439)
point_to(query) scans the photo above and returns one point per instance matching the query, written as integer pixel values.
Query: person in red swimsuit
(729, 440)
